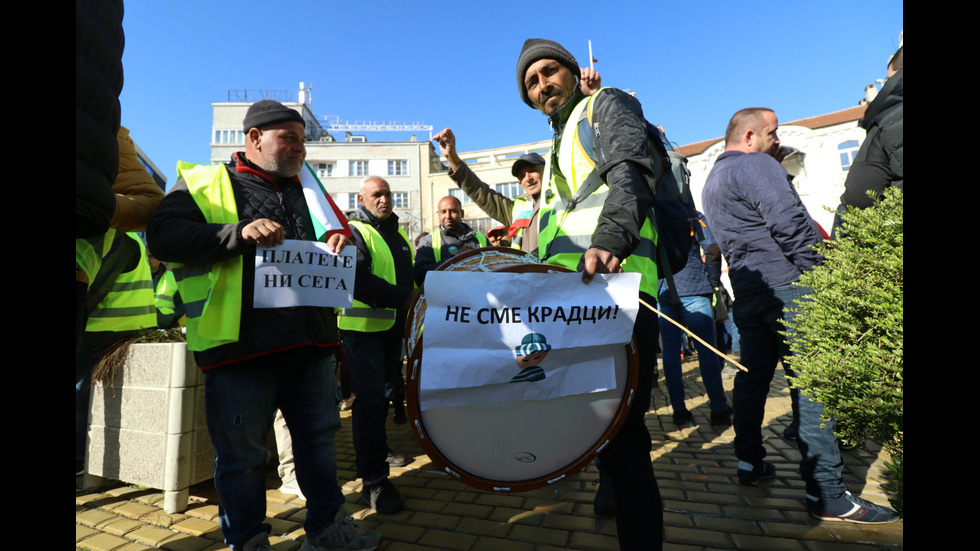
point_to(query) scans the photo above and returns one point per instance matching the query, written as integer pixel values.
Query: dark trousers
(374, 361)
(626, 460)
(241, 401)
(758, 318)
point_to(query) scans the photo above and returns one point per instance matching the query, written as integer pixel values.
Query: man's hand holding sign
(304, 273)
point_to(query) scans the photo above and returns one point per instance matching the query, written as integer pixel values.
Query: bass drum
(522, 445)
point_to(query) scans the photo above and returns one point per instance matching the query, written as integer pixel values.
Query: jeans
(732, 330)
(694, 313)
(241, 401)
(626, 459)
(758, 317)
(374, 359)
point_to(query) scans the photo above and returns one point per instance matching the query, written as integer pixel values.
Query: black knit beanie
(269, 111)
(539, 48)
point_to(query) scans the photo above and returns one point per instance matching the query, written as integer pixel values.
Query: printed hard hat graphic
(532, 343)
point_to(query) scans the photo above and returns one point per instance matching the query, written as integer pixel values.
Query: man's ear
(254, 137)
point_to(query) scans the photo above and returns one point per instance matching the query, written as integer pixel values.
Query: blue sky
(691, 64)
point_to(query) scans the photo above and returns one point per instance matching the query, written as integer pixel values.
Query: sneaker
(383, 497)
(682, 416)
(849, 508)
(791, 432)
(750, 475)
(722, 417)
(395, 459)
(347, 403)
(292, 488)
(258, 542)
(343, 535)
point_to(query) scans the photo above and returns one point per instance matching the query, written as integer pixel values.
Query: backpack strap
(587, 139)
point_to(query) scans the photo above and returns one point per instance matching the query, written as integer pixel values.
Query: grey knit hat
(269, 111)
(531, 344)
(539, 48)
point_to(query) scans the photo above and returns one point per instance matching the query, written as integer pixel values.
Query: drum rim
(413, 377)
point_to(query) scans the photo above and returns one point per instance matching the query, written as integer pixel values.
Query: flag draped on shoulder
(327, 218)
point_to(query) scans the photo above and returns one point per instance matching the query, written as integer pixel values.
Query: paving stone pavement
(704, 508)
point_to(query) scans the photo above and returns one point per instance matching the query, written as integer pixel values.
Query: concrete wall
(148, 425)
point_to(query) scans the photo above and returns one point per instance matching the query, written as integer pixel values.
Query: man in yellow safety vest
(594, 217)
(260, 360)
(453, 236)
(372, 332)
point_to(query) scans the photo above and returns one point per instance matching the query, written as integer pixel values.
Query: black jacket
(178, 232)
(879, 163)
(425, 255)
(98, 80)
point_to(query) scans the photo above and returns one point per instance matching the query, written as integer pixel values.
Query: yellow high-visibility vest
(564, 235)
(128, 306)
(212, 293)
(89, 253)
(437, 242)
(361, 316)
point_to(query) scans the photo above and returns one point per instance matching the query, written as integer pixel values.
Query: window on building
(401, 199)
(481, 225)
(398, 168)
(511, 190)
(848, 150)
(351, 201)
(229, 136)
(463, 198)
(358, 168)
(325, 170)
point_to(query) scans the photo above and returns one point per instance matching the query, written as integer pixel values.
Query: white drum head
(523, 445)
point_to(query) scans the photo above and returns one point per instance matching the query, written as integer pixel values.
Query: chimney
(306, 95)
(870, 91)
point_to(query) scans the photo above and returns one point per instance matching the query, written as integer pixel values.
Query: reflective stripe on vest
(566, 235)
(129, 304)
(437, 242)
(212, 293)
(361, 316)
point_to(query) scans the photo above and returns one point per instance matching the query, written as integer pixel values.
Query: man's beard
(283, 168)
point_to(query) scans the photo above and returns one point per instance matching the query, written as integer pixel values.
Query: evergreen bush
(847, 344)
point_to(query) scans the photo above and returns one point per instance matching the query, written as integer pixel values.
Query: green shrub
(847, 344)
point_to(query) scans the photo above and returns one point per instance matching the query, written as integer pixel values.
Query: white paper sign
(496, 337)
(304, 273)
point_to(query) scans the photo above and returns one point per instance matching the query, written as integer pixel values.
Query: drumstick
(699, 339)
